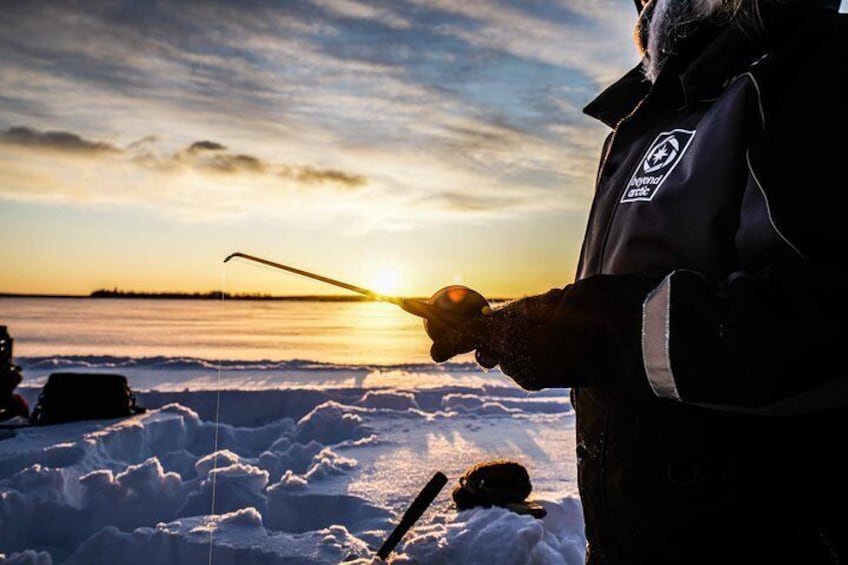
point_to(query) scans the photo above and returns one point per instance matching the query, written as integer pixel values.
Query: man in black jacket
(705, 337)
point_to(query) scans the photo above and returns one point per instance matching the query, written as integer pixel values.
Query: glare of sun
(385, 281)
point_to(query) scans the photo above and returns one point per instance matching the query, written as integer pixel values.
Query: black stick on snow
(429, 493)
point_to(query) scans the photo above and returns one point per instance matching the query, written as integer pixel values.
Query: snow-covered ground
(314, 464)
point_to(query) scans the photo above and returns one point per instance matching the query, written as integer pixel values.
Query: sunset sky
(424, 141)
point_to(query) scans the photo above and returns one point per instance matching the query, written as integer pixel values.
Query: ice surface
(300, 475)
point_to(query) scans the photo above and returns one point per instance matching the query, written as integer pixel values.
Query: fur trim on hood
(664, 24)
(829, 4)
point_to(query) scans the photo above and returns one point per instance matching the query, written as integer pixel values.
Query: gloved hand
(502, 337)
(588, 333)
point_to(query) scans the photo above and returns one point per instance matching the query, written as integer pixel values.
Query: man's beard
(664, 24)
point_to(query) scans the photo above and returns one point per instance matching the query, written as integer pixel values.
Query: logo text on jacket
(659, 161)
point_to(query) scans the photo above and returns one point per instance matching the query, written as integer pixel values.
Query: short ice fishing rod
(448, 308)
(424, 499)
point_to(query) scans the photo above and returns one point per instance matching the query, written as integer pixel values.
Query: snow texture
(299, 476)
(470, 537)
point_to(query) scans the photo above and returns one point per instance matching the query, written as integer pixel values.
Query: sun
(385, 281)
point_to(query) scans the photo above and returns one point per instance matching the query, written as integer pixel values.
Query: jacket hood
(828, 4)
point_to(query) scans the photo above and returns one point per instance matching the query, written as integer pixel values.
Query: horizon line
(212, 295)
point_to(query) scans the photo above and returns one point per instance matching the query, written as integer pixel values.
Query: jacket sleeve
(772, 342)
(589, 336)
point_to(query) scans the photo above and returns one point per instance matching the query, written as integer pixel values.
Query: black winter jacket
(713, 279)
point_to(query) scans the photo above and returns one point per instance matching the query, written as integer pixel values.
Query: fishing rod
(423, 501)
(450, 307)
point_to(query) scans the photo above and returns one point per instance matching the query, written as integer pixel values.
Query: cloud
(210, 155)
(58, 140)
(205, 145)
(203, 156)
(202, 181)
(579, 35)
(310, 175)
(361, 11)
(231, 164)
(470, 202)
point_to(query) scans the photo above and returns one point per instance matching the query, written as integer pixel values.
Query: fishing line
(217, 410)
(266, 268)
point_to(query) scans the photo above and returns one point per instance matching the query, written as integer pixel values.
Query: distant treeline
(211, 295)
(218, 295)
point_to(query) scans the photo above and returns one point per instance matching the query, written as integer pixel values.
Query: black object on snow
(69, 397)
(430, 491)
(496, 483)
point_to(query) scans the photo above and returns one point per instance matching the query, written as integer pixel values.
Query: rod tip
(231, 255)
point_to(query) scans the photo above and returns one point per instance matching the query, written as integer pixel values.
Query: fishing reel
(452, 307)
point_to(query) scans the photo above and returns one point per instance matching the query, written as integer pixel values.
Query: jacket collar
(618, 100)
(728, 55)
(719, 59)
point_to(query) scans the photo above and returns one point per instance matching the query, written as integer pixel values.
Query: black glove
(502, 337)
(587, 334)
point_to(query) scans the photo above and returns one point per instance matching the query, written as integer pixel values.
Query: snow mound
(295, 457)
(237, 539)
(290, 481)
(137, 495)
(328, 463)
(248, 517)
(331, 422)
(471, 536)
(230, 488)
(389, 400)
(221, 458)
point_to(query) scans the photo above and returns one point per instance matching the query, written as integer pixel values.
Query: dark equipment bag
(496, 483)
(68, 397)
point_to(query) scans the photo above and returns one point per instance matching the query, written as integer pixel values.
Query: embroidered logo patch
(662, 157)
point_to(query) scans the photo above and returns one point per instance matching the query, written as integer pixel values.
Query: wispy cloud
(53, 153)
(205, 145)
(364, 11)
(56, 140)
(407, 111)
